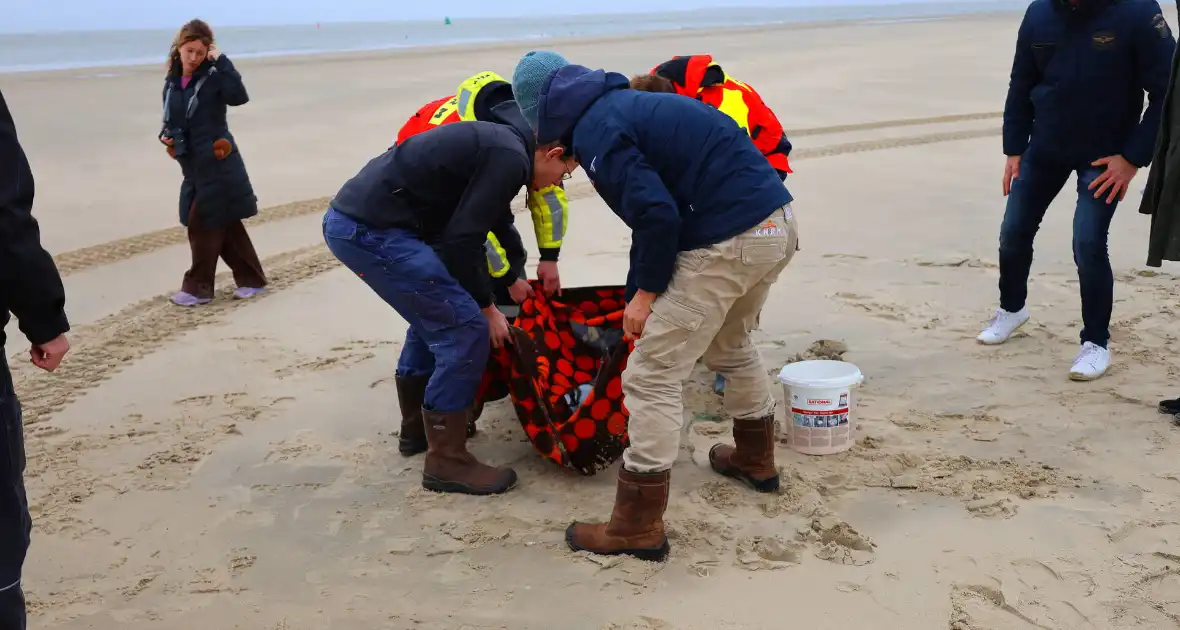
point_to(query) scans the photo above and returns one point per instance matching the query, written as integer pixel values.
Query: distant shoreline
(100, 69)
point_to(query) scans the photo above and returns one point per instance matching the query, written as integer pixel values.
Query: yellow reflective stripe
(733, 104)
(739, 83)
(549, 208)
(444, 111)
(497, 257)
(465, 95)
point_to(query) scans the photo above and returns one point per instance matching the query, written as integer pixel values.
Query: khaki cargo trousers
(707, 311)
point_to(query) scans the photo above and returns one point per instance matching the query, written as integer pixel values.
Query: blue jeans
(15, 522)
(448, 336)
(1038, 184)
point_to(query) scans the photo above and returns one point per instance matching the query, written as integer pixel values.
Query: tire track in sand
(105, 347)
(114, 251)
(888, 124)
(77, 260)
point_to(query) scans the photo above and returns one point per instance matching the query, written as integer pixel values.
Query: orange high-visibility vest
(697, 76)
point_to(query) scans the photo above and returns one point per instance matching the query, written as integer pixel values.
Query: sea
(26, 52)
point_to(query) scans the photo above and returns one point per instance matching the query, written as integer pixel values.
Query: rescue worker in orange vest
(699, 77)
(548, 207)
(475, 99)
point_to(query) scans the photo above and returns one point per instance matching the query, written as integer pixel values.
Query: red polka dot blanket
(563, 373)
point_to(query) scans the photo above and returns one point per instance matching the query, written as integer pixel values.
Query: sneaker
(1092, 362)
(1002, 326)
(245, 293)
(188, 299)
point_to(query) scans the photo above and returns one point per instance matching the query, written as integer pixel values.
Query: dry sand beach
(234, 466)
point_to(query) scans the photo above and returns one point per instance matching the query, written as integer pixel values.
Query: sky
(25, 16)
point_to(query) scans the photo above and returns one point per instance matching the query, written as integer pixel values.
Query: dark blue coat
(679, 173)
(1078, 80)
(220, 187)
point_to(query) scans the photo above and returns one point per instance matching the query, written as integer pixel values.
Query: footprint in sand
(241, 560)
(301, 445)
(722, 495)
(983, 607)
(324, 363)
(640, 623)
(767, 553)
(875, 308)
(839, 542)
(969, 262)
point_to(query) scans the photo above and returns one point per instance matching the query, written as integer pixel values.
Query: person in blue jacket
(712, 229)
(1075, 104)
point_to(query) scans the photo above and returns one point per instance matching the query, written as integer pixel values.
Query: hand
(214, 53)
(550, 279)
(1011, 172)
(636, 314)
(520, 290)
(498, 325)
(48, 355)
(166, 140)
(1116, 178)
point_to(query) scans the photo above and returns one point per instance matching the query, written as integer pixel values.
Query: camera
(179, 143)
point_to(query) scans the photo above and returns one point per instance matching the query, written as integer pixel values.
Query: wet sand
(235, 466)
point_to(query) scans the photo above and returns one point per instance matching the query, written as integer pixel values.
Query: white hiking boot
(1002, 326)
(1092, 362)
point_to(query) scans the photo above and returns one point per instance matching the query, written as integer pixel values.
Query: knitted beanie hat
(530, 73)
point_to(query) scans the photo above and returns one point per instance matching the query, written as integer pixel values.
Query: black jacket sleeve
(233, 91)
(1154, 47)
(30, 286)
(499, 175)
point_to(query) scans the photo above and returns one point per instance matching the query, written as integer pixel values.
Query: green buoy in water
(446, 20)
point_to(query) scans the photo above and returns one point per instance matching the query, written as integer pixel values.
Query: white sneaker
(1002, 326)
(1092, 362)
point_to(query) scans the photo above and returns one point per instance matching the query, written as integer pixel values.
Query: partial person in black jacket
(1161, 198)
(31, 289)
(412, 225)
(216, 194)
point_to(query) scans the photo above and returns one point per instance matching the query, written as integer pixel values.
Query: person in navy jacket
(1075, 105)
(712, 229)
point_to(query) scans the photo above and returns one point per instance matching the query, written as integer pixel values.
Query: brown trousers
(232, 244)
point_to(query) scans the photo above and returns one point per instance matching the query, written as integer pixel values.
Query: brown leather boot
(411, 392)
(449, 467)
(752, 459)
(636, 526)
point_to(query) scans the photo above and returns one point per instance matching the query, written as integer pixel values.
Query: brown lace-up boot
(411, 391)
(636, 526)
(449, 467)
(752, 459)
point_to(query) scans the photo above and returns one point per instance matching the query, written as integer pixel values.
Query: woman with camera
(216, 194)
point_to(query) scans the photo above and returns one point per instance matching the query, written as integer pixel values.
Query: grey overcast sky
(68, 15)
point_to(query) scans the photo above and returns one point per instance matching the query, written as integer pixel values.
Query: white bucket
(820, 396)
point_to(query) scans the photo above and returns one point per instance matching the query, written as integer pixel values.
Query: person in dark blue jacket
(712, 229)
(1075, 104)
